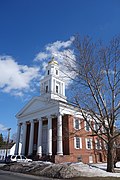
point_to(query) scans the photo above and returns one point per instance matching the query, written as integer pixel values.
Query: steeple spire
(52, 85)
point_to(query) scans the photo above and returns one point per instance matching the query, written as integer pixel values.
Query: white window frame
(46, 89)
(75, 143)
(105, 145)
(57, 88)
(76, 119)
(86, 125)
(97, 144)
(96, 126)
(91, 143)
(48, 72)
(56, 71)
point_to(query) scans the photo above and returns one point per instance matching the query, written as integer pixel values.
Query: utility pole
(8, 138)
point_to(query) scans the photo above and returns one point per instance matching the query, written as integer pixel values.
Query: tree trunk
(110, 157)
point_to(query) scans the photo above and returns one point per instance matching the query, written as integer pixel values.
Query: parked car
(117, 165)
(17, 158)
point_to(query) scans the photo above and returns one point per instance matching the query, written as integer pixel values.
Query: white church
(53, 128)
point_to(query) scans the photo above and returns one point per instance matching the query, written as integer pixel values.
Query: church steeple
(52, 68)
(52, 85)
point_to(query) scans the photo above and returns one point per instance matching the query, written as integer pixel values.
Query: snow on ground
(94, 170)
(72, 169)
(97, 170)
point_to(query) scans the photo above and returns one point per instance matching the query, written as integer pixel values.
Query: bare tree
(96, 87)
(14, 136)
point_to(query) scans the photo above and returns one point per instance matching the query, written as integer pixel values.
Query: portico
(43, 133)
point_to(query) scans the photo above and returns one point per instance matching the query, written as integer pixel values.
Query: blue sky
(31, 31)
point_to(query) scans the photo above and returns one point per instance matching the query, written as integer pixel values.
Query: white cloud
(58, 45)
(3, 128)
(41, 56)
(15, 78)
(19, 79)
(60, 50)
(53, 49)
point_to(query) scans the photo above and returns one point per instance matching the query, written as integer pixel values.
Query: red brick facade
(70, 153)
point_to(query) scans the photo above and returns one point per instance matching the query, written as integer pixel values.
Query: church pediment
(34, 105)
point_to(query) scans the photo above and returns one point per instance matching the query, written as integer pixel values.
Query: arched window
(46, 89)
(56, 72)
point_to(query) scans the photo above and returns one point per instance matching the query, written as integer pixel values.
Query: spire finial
(53, 61)
(52, 58)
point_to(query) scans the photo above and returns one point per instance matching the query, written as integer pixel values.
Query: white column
(39, 143)
(30, 150)
(24, 138)
(49, 135)
(18, 139)
(51, 85)
(63, 89)
(59, 135)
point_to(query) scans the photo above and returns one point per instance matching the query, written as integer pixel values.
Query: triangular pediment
(34, 105)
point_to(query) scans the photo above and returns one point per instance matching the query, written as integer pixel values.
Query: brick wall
(70, 153)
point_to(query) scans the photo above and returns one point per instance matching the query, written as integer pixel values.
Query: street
(7, 175)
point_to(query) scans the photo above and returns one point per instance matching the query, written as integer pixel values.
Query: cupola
(52, 85)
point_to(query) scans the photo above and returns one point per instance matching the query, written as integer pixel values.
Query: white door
(44, 139)
(90, 159)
